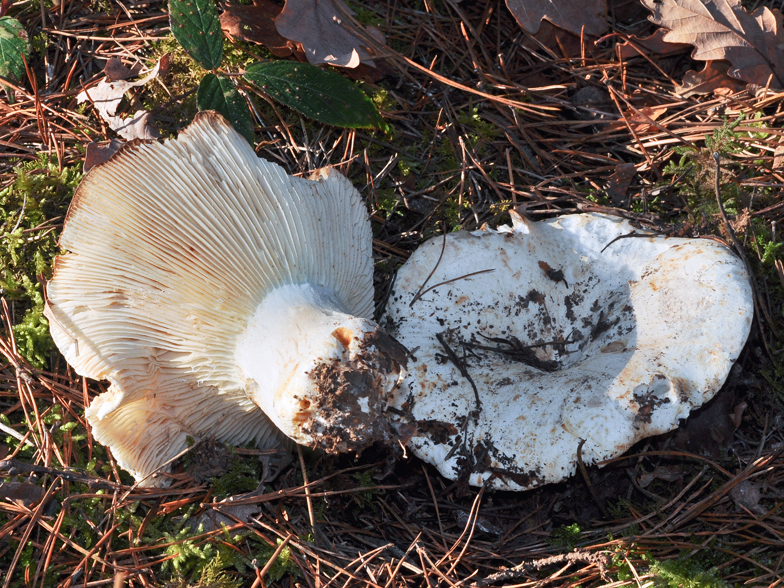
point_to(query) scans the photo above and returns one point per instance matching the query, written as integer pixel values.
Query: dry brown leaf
(115, 70)
(106, 97)
(256, 24)
(325, 35)
(778, 157)
(724, 30)
(627, 12)
(213, 519)
(99, 152)
(653, 44)
(709, 429)
(560, 41)
(21, 493)
(737, 413)
(565, 14)
(639, 120)
(619, 183)
(138, 126)
(664, 473)
(712, 78)
(593, 103)
(747, 495)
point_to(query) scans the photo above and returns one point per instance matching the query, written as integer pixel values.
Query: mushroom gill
(220, 297)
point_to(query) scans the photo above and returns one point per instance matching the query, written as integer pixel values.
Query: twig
(270, 562)
(600, 560)
(759, 306)
(308, 500)
(15, 434)
(13, 466)
(423, 292)
(460, 366)
(419, 292)
(596, 498)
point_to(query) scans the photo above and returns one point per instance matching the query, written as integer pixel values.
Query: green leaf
(321, 95)
(220, 94)
(195, 25)
(13, 45)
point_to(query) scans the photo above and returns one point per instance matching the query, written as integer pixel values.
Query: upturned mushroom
(581, 333)
(220, 297)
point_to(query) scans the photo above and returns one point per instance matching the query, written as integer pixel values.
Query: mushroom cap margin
(160, 279)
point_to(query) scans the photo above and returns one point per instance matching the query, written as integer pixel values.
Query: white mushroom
(585, 329)
(208, 286)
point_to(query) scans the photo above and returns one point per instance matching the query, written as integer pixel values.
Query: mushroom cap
(171, 248)
(573, 336)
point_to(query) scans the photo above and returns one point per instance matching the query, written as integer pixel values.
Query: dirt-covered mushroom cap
(220, 297)
(585, 329)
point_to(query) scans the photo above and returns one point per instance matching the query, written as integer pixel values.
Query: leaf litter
(576, 17)
(109, 92)
(724, 30)
(255, 23)
(459, 156)
(324, 32)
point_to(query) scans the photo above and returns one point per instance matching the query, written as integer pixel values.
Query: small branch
(423, 292)
(600, 560)
(759, 306)
(460, 366)
(419, 293)
(15, 434)
(727, 225)
(599, 502)
(14, 467)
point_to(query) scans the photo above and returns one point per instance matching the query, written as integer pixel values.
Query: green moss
(696, 171)
(218, 564)
(213, 574)
(40, 43)
(380, 96)
(479, 132)
(566, 536)
(29, 208)
(693, 572)
(240, 54)
(243, 476)
(284, 564)
(364, 15)
(365, 499)
(453, 215)
(408, 166)
(387, 202)
(182, 77)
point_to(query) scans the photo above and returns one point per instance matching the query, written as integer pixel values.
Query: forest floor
(483, 117)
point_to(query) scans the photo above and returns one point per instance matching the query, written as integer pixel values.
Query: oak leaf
(256, 24)
(712, 78)
(640, 121)
(138, 126)
(778, 157)
(560, 41)
(116, 70)
(324, 32)
(99, 152)
(724, 30)
(566, 14)
(107, 95)
(654, 43)
(619, 183)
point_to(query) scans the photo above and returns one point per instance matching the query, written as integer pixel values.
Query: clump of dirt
(208, 459)
(353, 395)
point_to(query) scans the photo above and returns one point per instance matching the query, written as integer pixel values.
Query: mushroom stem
(323, 376)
